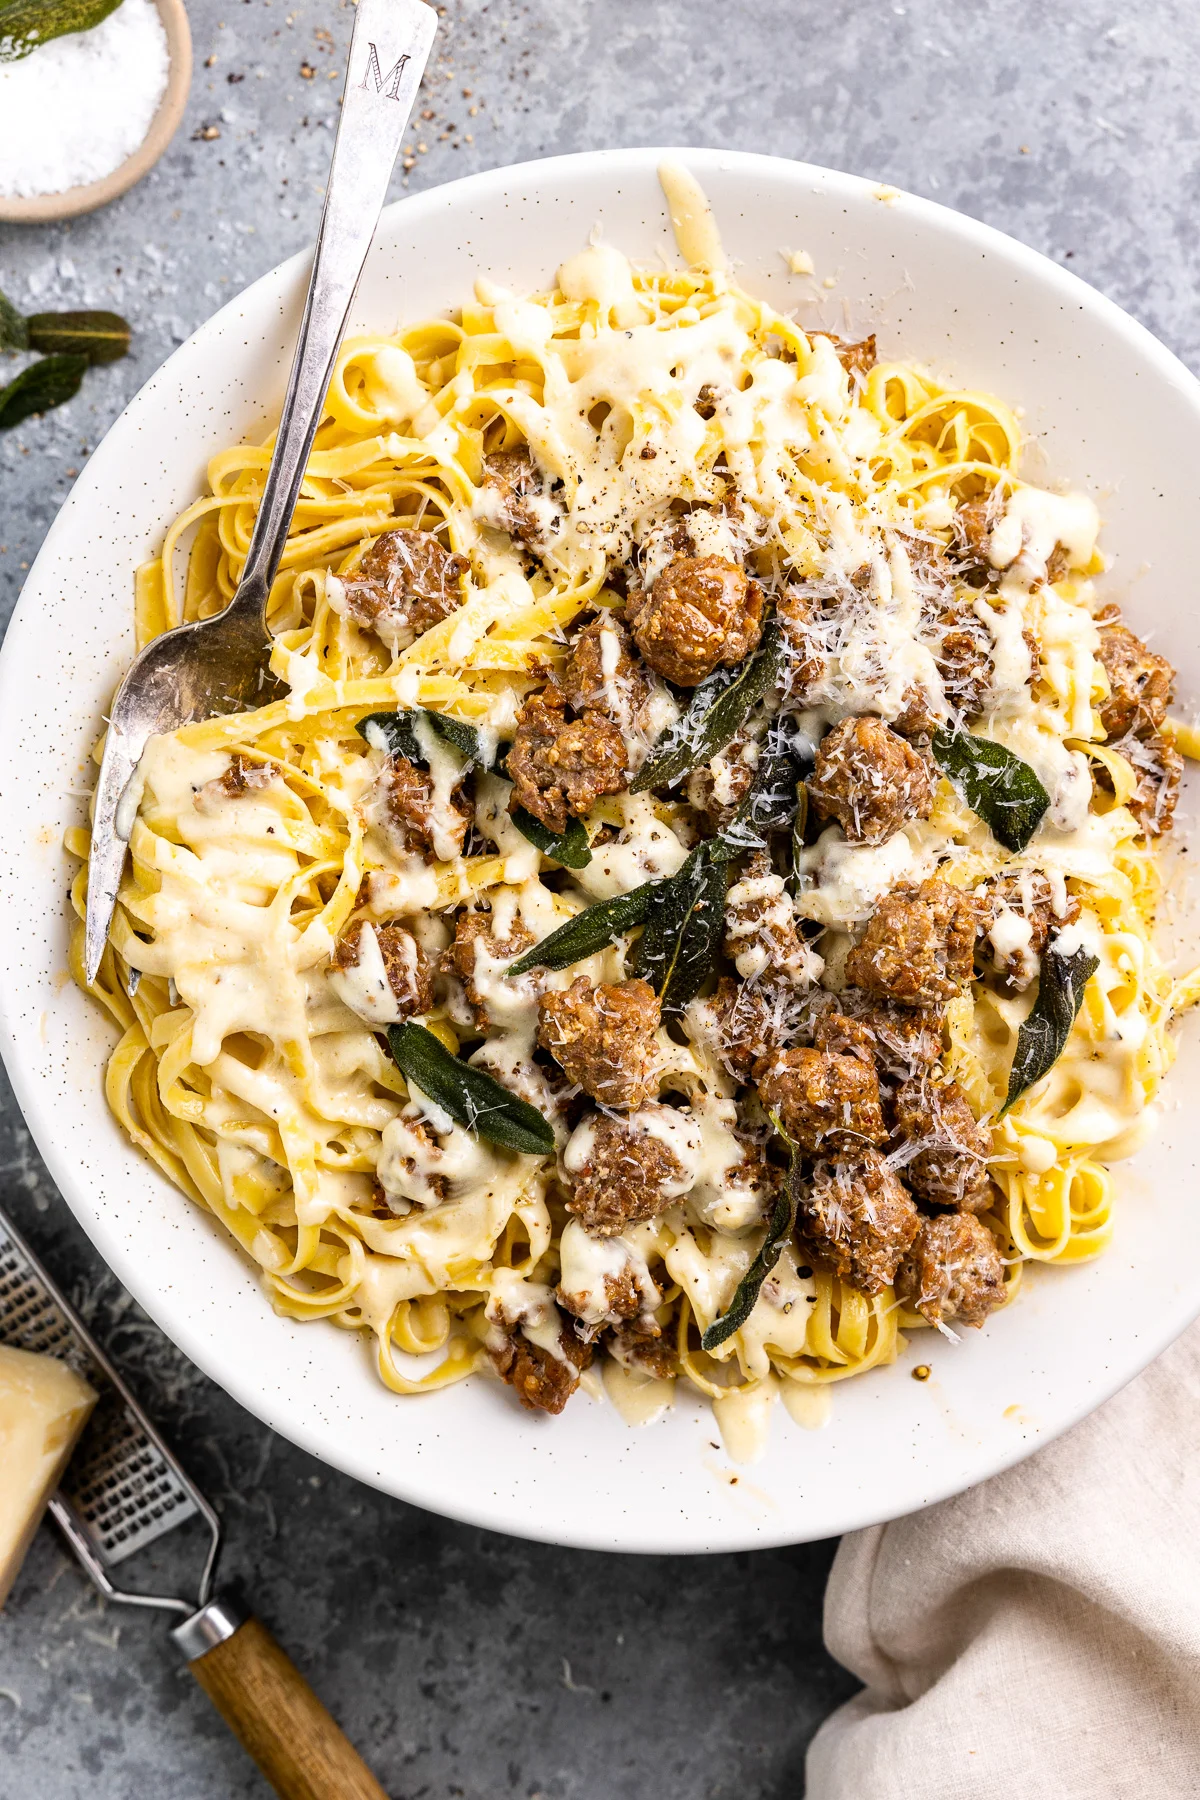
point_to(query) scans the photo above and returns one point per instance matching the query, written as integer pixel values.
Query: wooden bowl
(38, 208)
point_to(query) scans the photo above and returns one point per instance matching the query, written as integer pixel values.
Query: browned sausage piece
(1159, 768)
(473, 938)
(602, 674)
(800, 615)
(858, 1218)
(520, 495)
(748, 1022)
(949, 1167)
(1023, 917)
(542, 1381)
(560, 766)
(869, 780)
(904, 1039)
(245, 777)
(857, 358)
(622, 1172)
(824, 1099)
(406, 582)
(761, 938)
(1140, 682)
(604, 1037)
(919, 945)
(639, 1344)
(398, 984)
(701, 611)
(717, 790)
(407, 793)
(953, 1271)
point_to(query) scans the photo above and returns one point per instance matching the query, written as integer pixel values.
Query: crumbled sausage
(904, 1039)
(560, 766)
(919, 945)
(626, 1174)
(1022, 918)
(245, 777)
(518, 496)
(407, 794)
(415, 1178)
(1159, 768)
(717, 790)
(837, 1032)
(869, 780)
(857, 1217)
(706, 401)
(474, 940)
(972, 535)
(953, 1271)
(701, 611)
(409, 977)
(761, 938)
(797, 612)
(950, 1166)
(825, 1100)
(749, 1020)
(857, 358)
(639, 1344)
(1140, 682)
(406, 583)
(543, 1381)
(604, 1037)
(602, 674)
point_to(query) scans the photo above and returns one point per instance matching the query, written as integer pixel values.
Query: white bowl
(1114, 412)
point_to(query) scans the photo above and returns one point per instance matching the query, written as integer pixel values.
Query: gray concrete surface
(463, 1663)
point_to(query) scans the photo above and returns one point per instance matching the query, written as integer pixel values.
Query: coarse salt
(74, 109)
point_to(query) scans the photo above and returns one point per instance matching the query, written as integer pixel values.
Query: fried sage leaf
(27, 24)
(779, 1229)
(40, 387)
(1043, 1037)
(995, 783)
(102, 337)
(14, 333)
(684, 927)
(471, 1096)
(720, 707)
(569, 847)
(397, 734)
(591, 930)
(772, 800)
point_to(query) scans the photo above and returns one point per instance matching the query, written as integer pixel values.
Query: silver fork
(220, 665)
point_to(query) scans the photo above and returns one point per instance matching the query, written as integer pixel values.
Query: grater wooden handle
(268, 1705)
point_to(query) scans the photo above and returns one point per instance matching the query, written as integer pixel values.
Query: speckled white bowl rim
(1112, 411)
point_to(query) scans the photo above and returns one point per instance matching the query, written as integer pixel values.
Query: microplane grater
(123, 1488)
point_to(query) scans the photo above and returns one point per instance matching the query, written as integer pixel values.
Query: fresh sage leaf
(396, 734)
(591, 930)
(720, 707)
(40, 387)
(27, 24)
(1042, 1038)
(780, 1227)
(995, 783)
(471, 1096)
(102, 337)
(14, 334)
(569, 847)
(684, 927)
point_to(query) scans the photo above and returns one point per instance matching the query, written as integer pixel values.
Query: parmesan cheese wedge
(44, 1406)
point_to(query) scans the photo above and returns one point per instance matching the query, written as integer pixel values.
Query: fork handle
(270, 1708)
(389, 48)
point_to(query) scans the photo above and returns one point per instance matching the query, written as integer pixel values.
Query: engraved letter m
(392, 78)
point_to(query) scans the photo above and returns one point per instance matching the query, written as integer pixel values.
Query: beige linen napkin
(1040, 1635)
